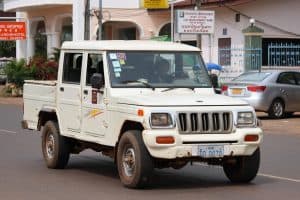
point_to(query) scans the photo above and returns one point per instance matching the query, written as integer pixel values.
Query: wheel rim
(128, 161)
(278, 109)
(50, 142)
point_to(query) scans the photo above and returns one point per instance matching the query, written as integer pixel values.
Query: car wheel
(276, 110)
(56, 148)
(134, 162)
(244, 169)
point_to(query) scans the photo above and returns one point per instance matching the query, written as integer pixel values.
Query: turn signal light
(165, 140)
(251, 138)
(140, 112)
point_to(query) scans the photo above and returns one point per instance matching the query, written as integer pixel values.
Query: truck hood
(187, 99)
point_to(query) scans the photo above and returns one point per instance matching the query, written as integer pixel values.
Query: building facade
(57, 21)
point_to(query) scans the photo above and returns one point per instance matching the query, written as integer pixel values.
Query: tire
(56, 148)
(244, 169)
(276, 110)
(134, 162)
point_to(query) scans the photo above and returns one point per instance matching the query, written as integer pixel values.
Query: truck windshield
(157, 69)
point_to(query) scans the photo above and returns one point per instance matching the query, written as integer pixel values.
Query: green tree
(17, 72)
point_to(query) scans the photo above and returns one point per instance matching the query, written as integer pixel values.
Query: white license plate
(211, 151)
(237, 91)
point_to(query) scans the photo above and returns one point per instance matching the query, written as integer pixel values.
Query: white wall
(279, 19)
(19, 4)
(116, 3)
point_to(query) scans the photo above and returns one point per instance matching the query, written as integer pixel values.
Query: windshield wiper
(168, 89)
(140, 81)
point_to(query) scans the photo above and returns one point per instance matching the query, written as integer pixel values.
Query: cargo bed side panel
(37, 97)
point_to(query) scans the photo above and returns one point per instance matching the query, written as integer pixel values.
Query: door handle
(62, 89)
(86, 92)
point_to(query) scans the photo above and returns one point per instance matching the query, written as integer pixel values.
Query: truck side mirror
(97, 81)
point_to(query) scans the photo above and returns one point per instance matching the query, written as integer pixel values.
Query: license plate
(211, 151)
(237, 91)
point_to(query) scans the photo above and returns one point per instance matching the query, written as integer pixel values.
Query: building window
(224, 31)
(224, 45)
(127, 33)
(166, 31)
(67, 33)
(115, 30)
(40, 39)
(237, 17)
(281, 52)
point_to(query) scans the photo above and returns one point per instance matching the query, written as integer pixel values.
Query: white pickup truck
(145, 104)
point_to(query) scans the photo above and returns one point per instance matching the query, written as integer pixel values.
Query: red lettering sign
(12, 31)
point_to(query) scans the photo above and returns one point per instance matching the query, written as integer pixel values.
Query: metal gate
(238, 60)
(283, 54)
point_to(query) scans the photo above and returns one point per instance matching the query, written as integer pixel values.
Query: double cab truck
(145, 104)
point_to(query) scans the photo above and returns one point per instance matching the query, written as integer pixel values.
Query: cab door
(94, 114)
(69, 93)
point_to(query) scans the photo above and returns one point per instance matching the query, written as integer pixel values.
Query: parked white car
(145, 104)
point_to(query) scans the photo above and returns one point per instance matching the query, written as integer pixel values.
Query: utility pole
(197, 7)
(100, 21)
(87, 20)
(172, 2)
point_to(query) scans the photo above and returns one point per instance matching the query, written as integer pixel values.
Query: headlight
(245, 119)
(161, 120)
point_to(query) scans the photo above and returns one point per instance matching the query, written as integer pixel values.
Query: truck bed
(37, 96)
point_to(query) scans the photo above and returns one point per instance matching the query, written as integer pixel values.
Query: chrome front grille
(206, 122)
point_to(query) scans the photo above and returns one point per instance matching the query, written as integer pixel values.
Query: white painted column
(49, 45)
(21, 44)
(53, 41)
(78, 20)
(56, 39)
(30, 47)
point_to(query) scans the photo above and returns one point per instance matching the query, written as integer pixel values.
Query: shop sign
(154, 4)
(195, 22)
(12, 30)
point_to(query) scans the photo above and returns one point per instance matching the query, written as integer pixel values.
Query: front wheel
(56, 148)
(244, 169)
(134, 162)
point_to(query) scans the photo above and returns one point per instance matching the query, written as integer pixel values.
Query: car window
(158, 69)
(94, 65)
(286, 78)
(72, 68)
(297, 75)
(252, 77)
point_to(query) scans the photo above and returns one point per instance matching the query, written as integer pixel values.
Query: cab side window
(72, 68)
(286, 78)
(94, 65)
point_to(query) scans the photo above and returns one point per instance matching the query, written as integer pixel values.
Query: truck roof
(134, 45)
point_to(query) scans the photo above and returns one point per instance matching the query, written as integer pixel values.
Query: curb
(17, 101)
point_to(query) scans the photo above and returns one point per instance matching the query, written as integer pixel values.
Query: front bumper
(185, 144)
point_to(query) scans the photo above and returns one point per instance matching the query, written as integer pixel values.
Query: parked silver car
(277, 93)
